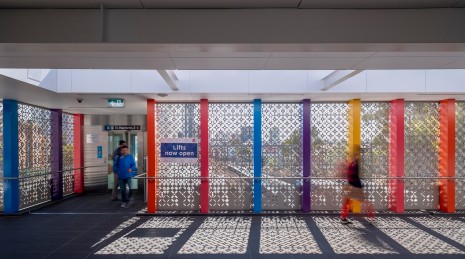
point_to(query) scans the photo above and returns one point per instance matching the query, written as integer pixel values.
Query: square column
(354, 128)
(78, 154)
(447, 155)
(396, 156)
(257, 155)
(151, 157)
(57, 154)
(204, 154)
(306, 155)
(10, 157)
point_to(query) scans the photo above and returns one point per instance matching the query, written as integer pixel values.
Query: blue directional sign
(121, 127)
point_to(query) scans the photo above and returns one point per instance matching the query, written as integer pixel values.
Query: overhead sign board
(178, 150)
(121, 127)
(116, 103)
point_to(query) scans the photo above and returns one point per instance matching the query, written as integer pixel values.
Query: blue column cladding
(257, 155)
(10, 156)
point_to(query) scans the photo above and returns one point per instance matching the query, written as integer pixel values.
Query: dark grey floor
(92, 226)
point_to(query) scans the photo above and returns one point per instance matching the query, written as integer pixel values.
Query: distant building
(246, 134)
(274, 136)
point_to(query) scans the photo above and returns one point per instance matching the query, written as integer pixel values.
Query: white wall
(95, 178)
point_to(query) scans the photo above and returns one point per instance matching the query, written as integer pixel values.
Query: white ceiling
(320, 4)
(91, 104)
(95, 103)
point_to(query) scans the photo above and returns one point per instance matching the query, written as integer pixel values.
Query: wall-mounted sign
(92, 138)
(99, 152)
(121, 127)
(116, 103)
(178, 150)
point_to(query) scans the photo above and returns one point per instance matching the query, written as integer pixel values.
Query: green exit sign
(116, 103)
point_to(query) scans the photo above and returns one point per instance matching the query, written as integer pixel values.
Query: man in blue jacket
(126, 170)
(114, 156)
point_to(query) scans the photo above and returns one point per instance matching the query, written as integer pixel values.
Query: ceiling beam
(337, 77)
(170, 78)
(162, 26)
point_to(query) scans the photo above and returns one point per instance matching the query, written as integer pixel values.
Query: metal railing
(44, 180)
(290, 177)
(50, 173)
(283, 192)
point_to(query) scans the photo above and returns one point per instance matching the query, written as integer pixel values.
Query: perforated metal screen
(374, 160)
(34, 136)
(329, 127)
(281, 156)
(231, 155)
(68, 153)
(178, 121)
(421, 154)
(460, 156)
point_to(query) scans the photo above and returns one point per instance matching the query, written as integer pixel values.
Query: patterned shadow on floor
(286, 235)
(153, 237)
(351, 238)
(219, 235)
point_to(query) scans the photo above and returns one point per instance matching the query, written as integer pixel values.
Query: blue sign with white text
(178, 150)
(99, 152)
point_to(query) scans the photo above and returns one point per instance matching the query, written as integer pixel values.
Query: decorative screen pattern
(374, 160)
(460, 155)
(281, 156)
(421, 154)
(68, 153)
(231, 155)
(34, 135)
(329, 126)
(178, 121)
(1, 156)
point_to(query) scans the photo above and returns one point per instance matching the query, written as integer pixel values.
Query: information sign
(179, 150)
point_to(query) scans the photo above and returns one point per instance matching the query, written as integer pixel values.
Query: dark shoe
(130, 202)
(345, 221)
(114, 199)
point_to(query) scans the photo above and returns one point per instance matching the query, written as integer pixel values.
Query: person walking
(116, 154)
(126, 170)
(354, 187)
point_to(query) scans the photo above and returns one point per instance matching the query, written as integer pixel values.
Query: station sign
(178, 150)
(116, 103)
(121, 127)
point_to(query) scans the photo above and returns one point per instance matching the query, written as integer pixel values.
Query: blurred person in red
(354, 188)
